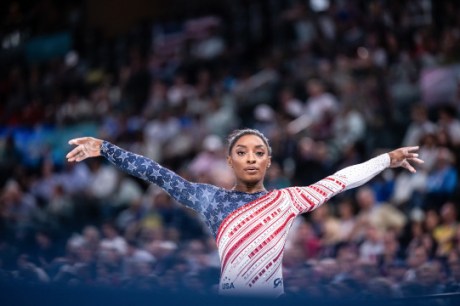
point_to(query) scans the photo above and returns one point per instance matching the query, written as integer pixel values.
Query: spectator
(429, 277)
(372, 247)
(453, 282)
(348, 128)
(347, 220)
(45, 250)
(416, 258)
(449, 122)
(158, 131)
(131, 215)
(347, 258)
(383, 216)
(442, 180)
(380, 288)
(326, 227)
(320, 111)
(391, 252)
(91, 238)
(446, 230)
(362, 272)
(28, 272)
(210, 165)
(112, 240)
(61, 207)
(103, 184)
(18, 208)
(180, 92)
(327, 270)
(395, 273)
(420, 126)
(302, 240)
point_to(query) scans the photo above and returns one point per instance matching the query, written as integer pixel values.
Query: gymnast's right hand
(85, 147)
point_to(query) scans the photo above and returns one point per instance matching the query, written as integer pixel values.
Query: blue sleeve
(193, 195)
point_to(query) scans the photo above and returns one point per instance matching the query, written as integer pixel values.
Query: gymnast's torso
(250, 228)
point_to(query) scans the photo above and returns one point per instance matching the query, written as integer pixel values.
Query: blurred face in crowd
(249, 159)
(109, 231)
(365, 198)
(428, 274)
(454, 268)
(314, 88)
(345, 210)
(329, 268)
(91, 234)
(448, 213)
(372, 234)
(431, 220)
(346, 258)
(397, 272)
(418, 257)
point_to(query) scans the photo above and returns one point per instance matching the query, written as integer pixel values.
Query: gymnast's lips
(251, 169)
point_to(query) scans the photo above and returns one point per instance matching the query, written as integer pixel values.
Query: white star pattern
(146, 164)
(167, 185)
(192, 197)
(226, 203)
(234, 195)
(207, 194)
(124, 155)
(156, 174)
(131, 166)
(248, 196)
(180, 185)
(110, 156)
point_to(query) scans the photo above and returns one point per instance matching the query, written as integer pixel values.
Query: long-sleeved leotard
(250, 229)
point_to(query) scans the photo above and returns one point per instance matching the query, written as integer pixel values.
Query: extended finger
(73, 153)
(417, 160)
(78, 141)
(410, 155)
(77, 154)
(411, 149)
(408, 166)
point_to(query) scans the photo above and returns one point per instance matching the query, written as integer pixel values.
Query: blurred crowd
(330, 83)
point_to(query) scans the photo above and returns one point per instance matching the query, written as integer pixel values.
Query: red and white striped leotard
(250, 229)
(251, 239)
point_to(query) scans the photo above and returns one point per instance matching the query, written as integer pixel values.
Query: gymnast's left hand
(85, 147)
(405, 157)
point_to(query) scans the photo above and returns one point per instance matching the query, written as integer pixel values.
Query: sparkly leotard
(250, 229)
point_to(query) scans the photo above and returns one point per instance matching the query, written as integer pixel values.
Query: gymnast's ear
(229, 161)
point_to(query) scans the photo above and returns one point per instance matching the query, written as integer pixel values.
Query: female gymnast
(249, 223)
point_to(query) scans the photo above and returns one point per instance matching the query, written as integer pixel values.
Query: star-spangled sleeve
(193, 195)
(304, 199)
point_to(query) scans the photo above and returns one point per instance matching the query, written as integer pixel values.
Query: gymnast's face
(249, 159)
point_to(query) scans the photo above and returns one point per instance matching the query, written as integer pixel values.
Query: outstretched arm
(359, 174)
(310, 197)
(193, 195)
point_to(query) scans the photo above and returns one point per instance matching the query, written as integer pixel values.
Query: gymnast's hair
(237, 134)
